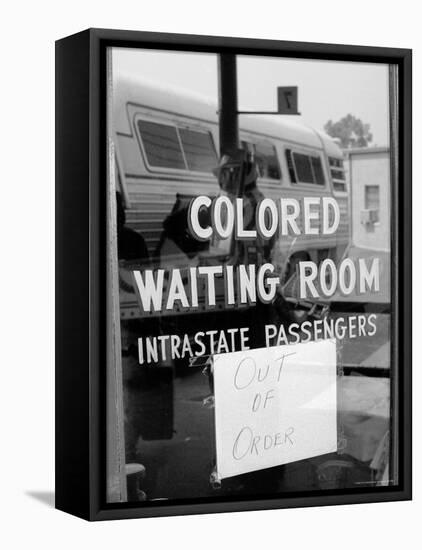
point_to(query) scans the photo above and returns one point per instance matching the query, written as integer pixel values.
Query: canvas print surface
(249, 310)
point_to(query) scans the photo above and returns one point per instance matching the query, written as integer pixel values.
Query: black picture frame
(80, 269)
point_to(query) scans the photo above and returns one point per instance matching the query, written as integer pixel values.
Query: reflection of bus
(166, 149)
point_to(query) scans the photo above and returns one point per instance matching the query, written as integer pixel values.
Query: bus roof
(153, 95)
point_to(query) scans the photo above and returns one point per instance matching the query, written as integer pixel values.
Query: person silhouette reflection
(130, 244)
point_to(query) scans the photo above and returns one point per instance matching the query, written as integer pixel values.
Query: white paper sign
(274, 406)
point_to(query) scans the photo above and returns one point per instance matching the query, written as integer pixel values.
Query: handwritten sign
(274, 406)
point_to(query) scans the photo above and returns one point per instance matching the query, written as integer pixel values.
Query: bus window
(337, 174)
(290, 166)
(267, 161)
(168, 146)
(161, 145)
(305, 168)
(318, 171)
(199, 150)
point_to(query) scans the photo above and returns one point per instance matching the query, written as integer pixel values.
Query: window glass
(161, 144)
(199, 150)
(290, 165)
(267, 161)
(336, 163)
(303, 168)
(194, 323)
(337, 174)
(318, 171)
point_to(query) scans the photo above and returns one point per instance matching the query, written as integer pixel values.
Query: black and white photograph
(211, 288)
(250, 316)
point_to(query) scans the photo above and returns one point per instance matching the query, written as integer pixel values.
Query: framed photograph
(233, 274)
